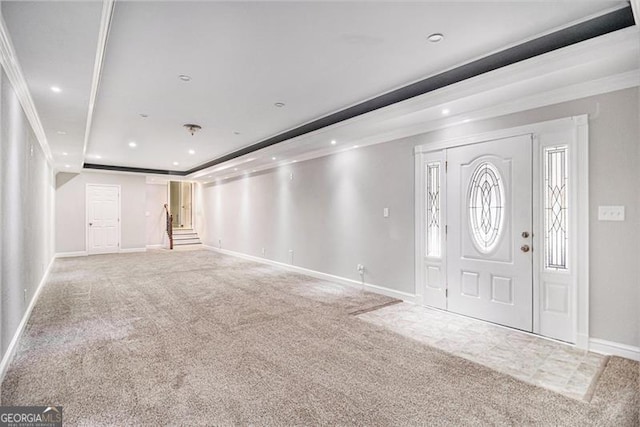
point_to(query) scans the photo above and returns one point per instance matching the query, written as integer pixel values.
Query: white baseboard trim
(614, 349)
(71, 254)
(131, 250)
(156, 246)
(320, 275)
(13, 345)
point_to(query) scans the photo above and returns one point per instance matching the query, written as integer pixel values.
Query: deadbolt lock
(525, 248)
(525, 234)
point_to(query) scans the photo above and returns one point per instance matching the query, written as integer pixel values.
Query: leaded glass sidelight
(486, 207)
(555, 207)
(432, 214)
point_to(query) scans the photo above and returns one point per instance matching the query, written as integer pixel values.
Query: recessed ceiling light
(132, 144)
(64, 153)
(355, 146)
(435, 37)
(295, 161)
(61, 132)
(56, 89)
(235, 169)
(175, 163)
(333, 142)
(466, 120)
(445, 111)
(279, 104)
(67, 166)
(192, 151)
(184, 78)
(97, 156)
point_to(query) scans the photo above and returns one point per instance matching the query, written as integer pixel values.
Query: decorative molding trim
(635, 7)
(71, 254)
(320, 275)
(11, 66)
(130, 250)
(13, 345)
(562, 38)
(614, 349)
(103, 36)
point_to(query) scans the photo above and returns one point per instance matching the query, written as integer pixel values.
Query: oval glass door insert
(486, 207)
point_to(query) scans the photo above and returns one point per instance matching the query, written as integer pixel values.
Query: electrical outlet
(360, 268)
(25, 295)
(219, 243)
(291, 176)
(264, 252)
(385, 212)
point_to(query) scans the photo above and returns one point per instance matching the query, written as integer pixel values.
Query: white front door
(489, 238)
(103, 218)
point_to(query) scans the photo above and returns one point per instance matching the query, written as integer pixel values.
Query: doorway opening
(181, 204)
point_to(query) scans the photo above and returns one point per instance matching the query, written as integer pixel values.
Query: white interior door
(103, 218)
(489, 239)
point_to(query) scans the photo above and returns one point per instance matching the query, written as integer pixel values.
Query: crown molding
(516, 88)
(12, 68)
(103, 36)
(635, 7)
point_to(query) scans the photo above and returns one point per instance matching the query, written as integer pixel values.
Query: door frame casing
(86, 217)
(578, 219)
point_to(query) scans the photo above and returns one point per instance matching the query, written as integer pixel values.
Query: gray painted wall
(26, 209)
(70, 208)
(330, 214)
(156, 197)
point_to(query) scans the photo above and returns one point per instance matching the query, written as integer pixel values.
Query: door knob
(525, 234)
(90, 224)
(525, 248)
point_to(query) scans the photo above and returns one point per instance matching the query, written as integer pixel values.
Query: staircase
(185, 236)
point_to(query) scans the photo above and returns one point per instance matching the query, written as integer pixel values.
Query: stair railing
(169, 226)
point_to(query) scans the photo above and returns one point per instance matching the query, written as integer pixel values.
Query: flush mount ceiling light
(67, 166)
(279, 104)
(273, 158)
(192, 151)
(64, 153)
(192, 128)
(132, 144)
(184, 78)
(435, 37)
(445, 111)
(175, 163)
(56, 89)
(61, 132)
(333, 142)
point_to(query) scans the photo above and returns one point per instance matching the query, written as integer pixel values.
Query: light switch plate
(385, 212)
(610, 213)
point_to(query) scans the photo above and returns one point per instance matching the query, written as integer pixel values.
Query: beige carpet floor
(198, 338)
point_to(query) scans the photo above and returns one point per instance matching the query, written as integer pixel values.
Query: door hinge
(446, 293)
(446, 230)
(446, 166)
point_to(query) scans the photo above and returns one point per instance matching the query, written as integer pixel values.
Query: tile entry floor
(549, 364)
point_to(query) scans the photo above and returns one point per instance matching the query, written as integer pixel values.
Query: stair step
(179, 242)
(183, 231)
(185, 236)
